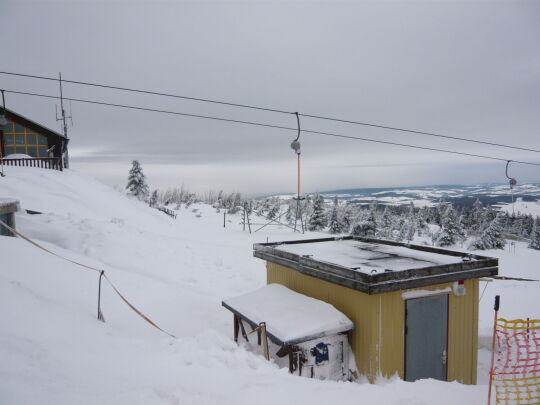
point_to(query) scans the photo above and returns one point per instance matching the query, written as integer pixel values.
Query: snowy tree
(218, 205)
(153, 199)
(421, 224)
(335, 225)
(409, 224)
(492, 237)
(190, 199)
(477, 214)
(290, 214)
(451, 231)
(528, 225)
(317, 220)
(136, 185)
(346, 218)
(274, 207)
(384, 230)
(535, 235)
(366, 228)
(264, 207)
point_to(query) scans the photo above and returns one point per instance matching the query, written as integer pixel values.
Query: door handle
(444, 357)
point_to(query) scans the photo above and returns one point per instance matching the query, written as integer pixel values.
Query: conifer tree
(421, 225)
(477, 214)
(335, 225)
(384, 230)
(291, 211)
(153, 199)
(317, 220)
(136, 185)
(409, 225)
(451, 232)
(346, 218)
(274, 207)
(492, 237)
(366, 228)
(535, 235)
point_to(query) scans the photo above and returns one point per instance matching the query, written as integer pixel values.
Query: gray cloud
(468, 69)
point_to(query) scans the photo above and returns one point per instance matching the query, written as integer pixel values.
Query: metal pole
(496, 308)
(249, 223)
(3, 152)
(223, 219)
(100, 314)
(64, 126)
(299, 176)
(244, 223)
(62, 105)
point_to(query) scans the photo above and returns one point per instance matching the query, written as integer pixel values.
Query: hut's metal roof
(376, 266)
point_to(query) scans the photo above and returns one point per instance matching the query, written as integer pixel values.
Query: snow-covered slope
(54, 351)
(523, 207)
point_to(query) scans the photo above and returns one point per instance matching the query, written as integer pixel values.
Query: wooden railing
(167, 211)
(54, 163)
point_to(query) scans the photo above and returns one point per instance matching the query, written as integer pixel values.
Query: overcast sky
(463, 68)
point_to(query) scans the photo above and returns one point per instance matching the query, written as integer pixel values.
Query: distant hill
(492, 194)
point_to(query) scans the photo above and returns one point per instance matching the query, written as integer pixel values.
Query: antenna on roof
(63, 117)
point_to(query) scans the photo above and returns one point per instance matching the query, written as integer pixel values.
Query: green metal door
(426, 338)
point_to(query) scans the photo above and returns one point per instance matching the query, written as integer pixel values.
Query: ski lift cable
(154, 93)
(412, 131)
(274, 110)
(266, 125)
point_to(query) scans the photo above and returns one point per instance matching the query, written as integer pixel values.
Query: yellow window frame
(27, 134)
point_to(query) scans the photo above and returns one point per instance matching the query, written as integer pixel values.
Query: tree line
(478, 227)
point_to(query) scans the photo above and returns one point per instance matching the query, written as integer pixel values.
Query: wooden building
(414, 308)
(22, 136)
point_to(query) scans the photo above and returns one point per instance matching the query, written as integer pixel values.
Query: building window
(18, 139)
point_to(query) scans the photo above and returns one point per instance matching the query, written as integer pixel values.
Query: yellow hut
(414, 308)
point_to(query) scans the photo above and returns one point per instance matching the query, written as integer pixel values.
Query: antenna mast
(63, 117)
(62, 111)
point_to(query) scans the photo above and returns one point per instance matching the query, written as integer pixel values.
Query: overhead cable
(274, 110)
(260, 124)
